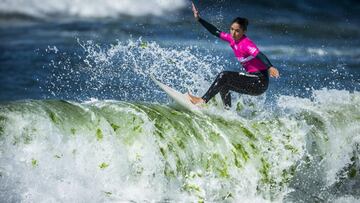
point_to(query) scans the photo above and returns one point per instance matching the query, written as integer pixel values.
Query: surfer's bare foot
(195, 99)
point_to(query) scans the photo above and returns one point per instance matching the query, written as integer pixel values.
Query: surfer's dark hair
(243, 22)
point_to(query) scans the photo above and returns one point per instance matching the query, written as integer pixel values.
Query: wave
(88, 9)
(313, 52)
(54, 150)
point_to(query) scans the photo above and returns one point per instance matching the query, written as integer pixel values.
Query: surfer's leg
(239, 82)
(222, 85)
(226, 96)
(252, 84)
(216, 86)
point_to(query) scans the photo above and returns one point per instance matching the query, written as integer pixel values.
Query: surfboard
(179, 98)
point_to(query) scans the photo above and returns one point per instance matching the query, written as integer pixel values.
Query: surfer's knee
(224, 73)
(222, 76)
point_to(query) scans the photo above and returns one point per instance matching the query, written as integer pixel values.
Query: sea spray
(111, 71)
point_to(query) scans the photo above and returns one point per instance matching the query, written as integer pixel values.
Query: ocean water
(81, 121)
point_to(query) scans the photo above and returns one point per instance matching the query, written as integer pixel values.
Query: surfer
(258, 67)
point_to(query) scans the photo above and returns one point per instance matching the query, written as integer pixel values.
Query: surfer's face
(236, 31)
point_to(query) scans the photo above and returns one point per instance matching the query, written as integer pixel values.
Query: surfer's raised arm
(257, 66)
(211, 28)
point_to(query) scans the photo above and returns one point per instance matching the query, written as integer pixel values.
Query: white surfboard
(182, 100)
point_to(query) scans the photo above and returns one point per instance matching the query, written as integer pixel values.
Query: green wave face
(118, 151)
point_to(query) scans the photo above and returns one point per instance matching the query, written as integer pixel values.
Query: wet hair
(243, 22)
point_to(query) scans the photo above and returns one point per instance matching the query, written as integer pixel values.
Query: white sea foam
(347, 199)
(89, 8)
(112, 151)
(337, 112)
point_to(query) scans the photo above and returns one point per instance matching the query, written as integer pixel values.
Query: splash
(110, 72)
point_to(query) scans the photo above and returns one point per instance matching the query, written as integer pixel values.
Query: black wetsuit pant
(250, 83)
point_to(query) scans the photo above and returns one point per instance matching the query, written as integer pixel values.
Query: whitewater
(87, 9)
(119, 151)
(81, 120)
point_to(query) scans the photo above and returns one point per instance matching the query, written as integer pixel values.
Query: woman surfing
(257, 66)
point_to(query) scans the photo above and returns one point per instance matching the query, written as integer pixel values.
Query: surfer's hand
(195, 11)
(273, 72)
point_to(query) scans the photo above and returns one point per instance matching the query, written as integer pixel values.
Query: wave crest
(88, 8)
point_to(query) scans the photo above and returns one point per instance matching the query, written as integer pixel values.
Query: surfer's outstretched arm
(262, 57)
(211, 28)
(273, 72)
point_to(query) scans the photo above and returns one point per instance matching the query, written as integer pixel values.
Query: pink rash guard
(245, 51)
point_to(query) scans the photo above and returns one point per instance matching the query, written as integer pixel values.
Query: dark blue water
(314, 45)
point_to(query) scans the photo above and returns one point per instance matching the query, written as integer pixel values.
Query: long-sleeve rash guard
(244, 49)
